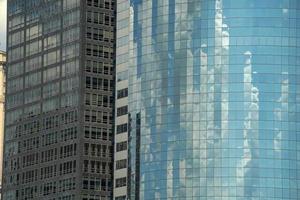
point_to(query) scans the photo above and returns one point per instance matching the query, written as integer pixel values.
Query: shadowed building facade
(213, 96)
(59, 108)
(2, 101)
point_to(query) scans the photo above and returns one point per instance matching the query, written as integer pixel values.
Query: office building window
(121, 128)
(121, 146)
(121, 164)
(121, 182)
(122, 93)
(122, 111)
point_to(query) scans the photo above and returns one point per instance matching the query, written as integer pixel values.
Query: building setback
(60, 94)
(213, 100)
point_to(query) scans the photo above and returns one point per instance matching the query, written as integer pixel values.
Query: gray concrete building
(2, 101)
(60, 94)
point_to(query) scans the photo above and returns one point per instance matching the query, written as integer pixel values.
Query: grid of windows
(212, 99)
(45, 56)
(98, 99)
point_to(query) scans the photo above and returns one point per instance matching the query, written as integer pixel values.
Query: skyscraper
(2, 100)
(121, 102)
(59, 110)
(213, 96)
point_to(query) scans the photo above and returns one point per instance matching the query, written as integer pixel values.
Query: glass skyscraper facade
(213, 96)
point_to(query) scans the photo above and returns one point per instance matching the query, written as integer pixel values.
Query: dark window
(85, 184)
(121, 197)
(89, 17)
(122, 111)
(120, 182)
(88, 82)
(121, 146)
(121, 128)
(121, 164)
(122, 93)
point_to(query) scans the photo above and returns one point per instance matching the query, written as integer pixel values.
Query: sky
(3, 25)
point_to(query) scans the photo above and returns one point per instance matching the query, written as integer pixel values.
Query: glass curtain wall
(213, 99)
